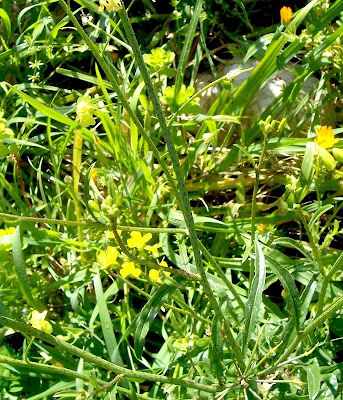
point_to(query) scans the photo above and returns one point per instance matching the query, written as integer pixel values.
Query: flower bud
(93, 206)
(327, 159)
(338, 154)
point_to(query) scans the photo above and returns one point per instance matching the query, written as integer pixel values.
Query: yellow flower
(38, 321)
(325, 137)
(84, 111)
(109, 257)
(94, 176)
(110, 5)
(154, 275)
(111, 234)
(154, 249)
(286, 14)
(164, 264)
(128, 268)
(9, 231)
(138, 241)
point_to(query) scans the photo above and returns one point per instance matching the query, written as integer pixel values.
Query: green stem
(197, 94)
(337, 265)
(189, 311)
(28, 349)
(52, 370)
(100, 362)
(222, 275)
(181, 187)
(87, 223)
(334, 306)
(110, 74)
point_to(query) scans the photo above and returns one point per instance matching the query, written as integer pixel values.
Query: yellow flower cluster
(325, 137)
(286, 15)
(110, 5)
(37, 321)
(137, 241)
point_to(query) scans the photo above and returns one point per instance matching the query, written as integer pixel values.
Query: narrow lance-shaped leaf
(147, 316)
(255, 296)
(289, 242)
(20, 269)
(290, 290)
(106, 323)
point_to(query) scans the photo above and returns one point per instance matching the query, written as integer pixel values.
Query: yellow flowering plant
(37, 321)
(110, 5)
(286, 15)
(84, 111)
(154, 274)
(128, 268)
(154, 249)
(138, 241)
(325, 137)
(108, 257)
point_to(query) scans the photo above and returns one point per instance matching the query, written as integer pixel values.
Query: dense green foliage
(153, 249)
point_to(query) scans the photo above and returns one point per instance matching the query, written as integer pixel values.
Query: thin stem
(87, 223)
(52, 370)
(190, 312)
(222, 275)
(337, 265)
(197, 94)
(334, 306)
(100, 362)
(181, 188)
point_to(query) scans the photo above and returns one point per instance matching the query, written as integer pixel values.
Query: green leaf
(20, 269)
(6, 23)
(147, 316)
(318, 214)
(306, 173)
(288, 242)
(49, 112)
(291, 291)
(186, 47)
(314, 379)
(255, 297)
(106, 323)
(3, 150)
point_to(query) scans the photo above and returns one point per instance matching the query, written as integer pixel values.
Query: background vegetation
(150, 249)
